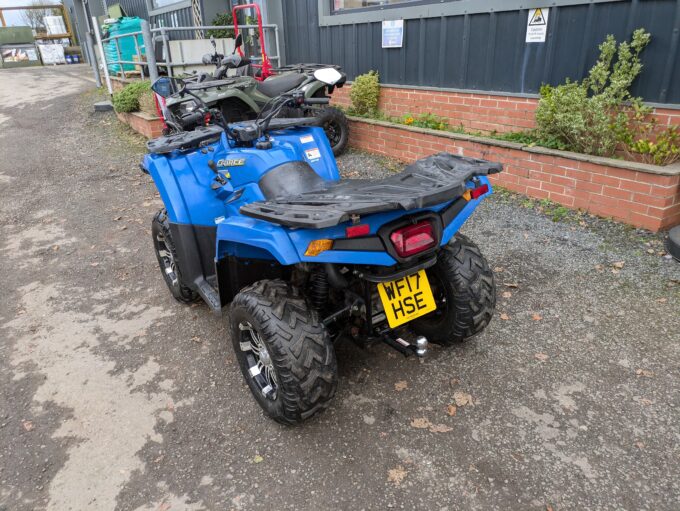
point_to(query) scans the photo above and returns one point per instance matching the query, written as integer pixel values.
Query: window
(157, 4)
(345, 5)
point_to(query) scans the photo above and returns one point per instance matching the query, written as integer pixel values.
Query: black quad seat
(278, 84)
(433, 180)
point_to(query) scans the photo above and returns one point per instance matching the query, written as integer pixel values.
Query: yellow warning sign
(537, 25)
(537, 18)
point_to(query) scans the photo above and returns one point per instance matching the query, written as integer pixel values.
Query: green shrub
(662, 148)
(127, 99)
(223, 18)
(588, 116)
(365, 93)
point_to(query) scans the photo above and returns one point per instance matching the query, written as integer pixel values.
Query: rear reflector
(476, 193)
(358, 230)
(317, 246)
(413, 239)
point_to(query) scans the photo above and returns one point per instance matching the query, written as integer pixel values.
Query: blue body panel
(184, 182)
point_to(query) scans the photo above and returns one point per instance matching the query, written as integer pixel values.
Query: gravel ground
(113, 396)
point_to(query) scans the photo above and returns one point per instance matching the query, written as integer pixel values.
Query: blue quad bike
(257, 218)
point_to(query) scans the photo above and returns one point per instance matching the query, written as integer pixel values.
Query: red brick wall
(474, 112)
(149, 126)
(639, 198)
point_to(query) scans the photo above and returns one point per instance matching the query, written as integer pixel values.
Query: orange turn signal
(318, 246)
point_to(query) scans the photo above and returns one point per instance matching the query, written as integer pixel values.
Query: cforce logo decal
(231, 162)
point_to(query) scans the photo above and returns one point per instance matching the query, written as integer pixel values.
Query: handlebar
(317, 101)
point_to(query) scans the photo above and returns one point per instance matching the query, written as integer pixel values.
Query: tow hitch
(419, 348)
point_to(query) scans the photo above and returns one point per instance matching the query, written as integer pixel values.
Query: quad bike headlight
(187, 107)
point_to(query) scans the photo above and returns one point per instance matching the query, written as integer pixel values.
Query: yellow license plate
(407, 298)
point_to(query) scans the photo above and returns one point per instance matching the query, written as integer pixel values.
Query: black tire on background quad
(335, 125)
(162, 242)
(463, 277)
(297, 344)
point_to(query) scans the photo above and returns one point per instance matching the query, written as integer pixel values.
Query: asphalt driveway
(114, 396)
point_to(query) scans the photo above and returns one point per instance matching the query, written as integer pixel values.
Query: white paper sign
(537, 25)
(52, 53)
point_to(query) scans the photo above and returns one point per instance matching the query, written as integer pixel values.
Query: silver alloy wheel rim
(260, 364)
(168, 261)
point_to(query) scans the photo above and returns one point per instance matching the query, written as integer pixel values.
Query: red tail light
(413, 239)
(357, 230)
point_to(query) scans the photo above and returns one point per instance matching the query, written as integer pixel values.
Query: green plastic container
(126, 44)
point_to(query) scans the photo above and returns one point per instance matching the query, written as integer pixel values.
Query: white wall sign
(393, 34)
(537, 25)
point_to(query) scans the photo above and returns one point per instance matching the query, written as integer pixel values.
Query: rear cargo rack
(433, 180)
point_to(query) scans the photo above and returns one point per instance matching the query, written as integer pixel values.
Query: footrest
(209, 295)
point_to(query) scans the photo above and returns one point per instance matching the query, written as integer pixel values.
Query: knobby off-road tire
(166, 253)
(335, 125)
(464, 288)
(298, 348)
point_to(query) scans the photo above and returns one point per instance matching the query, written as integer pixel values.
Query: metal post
(98, 36)
(89, 45)
(122, 66)
(166, 50)
(150, 50)
(139, 56)
(93, 58)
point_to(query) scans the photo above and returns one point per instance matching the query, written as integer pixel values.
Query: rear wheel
(166, 254)
(465, 293)
(284, 351)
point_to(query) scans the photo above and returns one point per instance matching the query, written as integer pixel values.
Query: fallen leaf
(639, 444)
(55, 247)
(645, 402)
(196, 339)
(650, 251)
(599, 267)
(618, 265)
(396, 475)
(164, 506)
(451, 410)
(94, 264)
(420, 423)
(258, 459)
(644, 372)
(504, 316)
(28, 425)
(498, 269)
(400, 385)
(541, 356)
(662, 300)
(511, 284)
(507, 294)
(118, 218)
(615, 271)
(440, 428)
(536, 317)
(462, 398)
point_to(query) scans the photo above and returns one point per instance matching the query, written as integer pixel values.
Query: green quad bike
(242, 97)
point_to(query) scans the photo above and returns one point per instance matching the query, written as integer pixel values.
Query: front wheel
(166, 253)
(284, 351)
(464, 291)
(335, 125)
